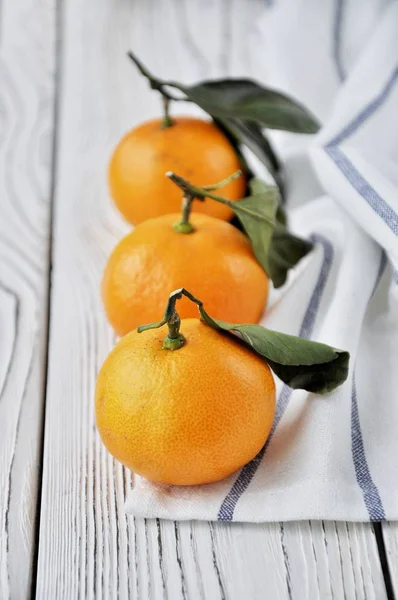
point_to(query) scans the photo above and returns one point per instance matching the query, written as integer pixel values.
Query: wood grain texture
(27, 54)
(88, 547)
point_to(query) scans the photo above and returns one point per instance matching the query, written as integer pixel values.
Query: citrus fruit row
(180, 424)
(193, 403)
(214, 260)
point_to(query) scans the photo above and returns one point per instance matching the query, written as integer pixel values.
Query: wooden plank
(390, 538)
(88, 547)
(27, 55)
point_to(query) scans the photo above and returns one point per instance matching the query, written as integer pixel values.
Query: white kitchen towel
(330, 457)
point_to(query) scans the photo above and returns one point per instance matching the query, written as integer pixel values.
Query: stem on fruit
(174, 339)
(184, 225)
(167, 120)
(192, 192)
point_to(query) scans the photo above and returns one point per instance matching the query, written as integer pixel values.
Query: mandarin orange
(196, 149)
(189, 416)
(216, 262)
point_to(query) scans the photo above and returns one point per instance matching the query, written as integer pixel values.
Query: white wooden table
(67, 94)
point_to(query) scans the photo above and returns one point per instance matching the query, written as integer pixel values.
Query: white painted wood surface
(27, 30)
(87, 548)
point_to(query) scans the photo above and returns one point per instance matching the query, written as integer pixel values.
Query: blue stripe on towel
(370, 492)
(246, 475)
(379, 205)
(366, 112)
(356, 179)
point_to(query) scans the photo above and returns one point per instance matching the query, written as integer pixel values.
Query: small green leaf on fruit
(263, 219)
(300, 363)
(250, 134)
(257, 213)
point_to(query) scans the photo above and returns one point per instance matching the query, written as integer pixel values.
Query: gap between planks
(53, 177)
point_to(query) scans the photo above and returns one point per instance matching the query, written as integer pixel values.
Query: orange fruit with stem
(187, 408)
(195, 148)
(209, 256)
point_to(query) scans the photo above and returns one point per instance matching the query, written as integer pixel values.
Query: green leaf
(250, 134)
(297, 362)
(276, 249)
(257, 186)
(235, 142)
(257, 213)
(319, 378)
(247, 100)
(300, 363)
(285, 251)
(281, 217)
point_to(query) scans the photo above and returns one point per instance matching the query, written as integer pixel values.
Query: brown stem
(167, 120)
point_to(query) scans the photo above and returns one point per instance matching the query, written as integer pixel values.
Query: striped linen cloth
(331, 457)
